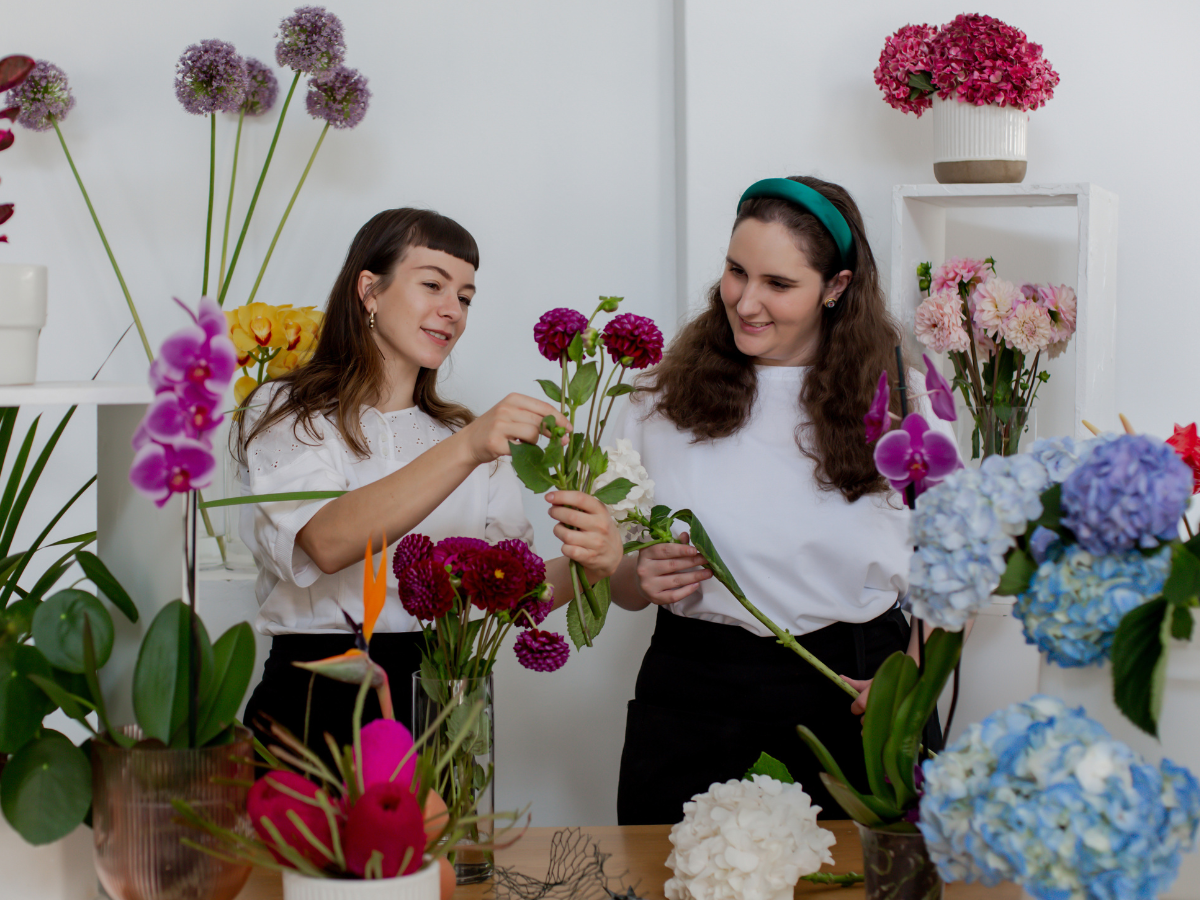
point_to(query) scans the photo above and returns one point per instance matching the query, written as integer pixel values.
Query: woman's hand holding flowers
(669, 572)
(516, 418)
(588, 533)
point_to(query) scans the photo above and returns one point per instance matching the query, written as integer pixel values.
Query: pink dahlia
(1060, 302)
(410, 549)
(532, 612)
(993, 302)
(981, 60)
(556, 329)
(541, 651)
(634, 337)
(425, 590)
(535, 568)
(939, 323)
(387, 819)
(267, 800)
(1028, 329)
(958, 270)
(495, 580)
(905, 54)
(456, 552)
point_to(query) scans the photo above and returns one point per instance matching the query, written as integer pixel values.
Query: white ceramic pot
(978, 144)
(22, 316)
(424, 884)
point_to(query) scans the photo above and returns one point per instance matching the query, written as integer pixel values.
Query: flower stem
(829, 878)
(104, 240)
(237, 145)
(212, 185)
(286, 213)
(237, 250)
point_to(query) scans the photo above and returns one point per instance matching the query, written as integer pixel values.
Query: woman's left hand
(588, 533)
(859, 706)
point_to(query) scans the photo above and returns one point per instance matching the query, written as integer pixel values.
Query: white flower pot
(22, 316)
(424, 884)
(978, 144)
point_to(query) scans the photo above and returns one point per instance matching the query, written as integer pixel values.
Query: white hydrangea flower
(746, 840)
(625, 462)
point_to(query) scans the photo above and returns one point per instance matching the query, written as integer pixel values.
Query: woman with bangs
(364, 416)
(754, 420)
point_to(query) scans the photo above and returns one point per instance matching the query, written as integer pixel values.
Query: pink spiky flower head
(541, 651)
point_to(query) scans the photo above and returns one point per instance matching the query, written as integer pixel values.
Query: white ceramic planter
(978, 144)
(22, 316)
(422, 885)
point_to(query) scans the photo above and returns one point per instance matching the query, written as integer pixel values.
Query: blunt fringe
(707, 386)
(346, 371)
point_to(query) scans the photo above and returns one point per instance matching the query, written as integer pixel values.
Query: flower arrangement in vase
(995, 334)
(13, 70)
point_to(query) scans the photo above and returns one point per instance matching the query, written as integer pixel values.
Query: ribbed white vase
(22, 317)
(978, 144)
(421, 885)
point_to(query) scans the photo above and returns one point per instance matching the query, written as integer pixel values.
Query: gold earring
(371, 321)
(830, 301)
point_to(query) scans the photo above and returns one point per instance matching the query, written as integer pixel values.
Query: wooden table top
(638, 860)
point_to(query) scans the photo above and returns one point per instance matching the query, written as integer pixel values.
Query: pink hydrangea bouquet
(975, 58)
(996, 334)
(568, 338)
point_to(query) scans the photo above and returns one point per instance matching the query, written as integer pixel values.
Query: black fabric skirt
(710, 698)
(283, 693)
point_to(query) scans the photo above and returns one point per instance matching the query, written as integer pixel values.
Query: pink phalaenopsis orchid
(913, 454)
(941, 397)
(878, 416)
(160, 470)
(201, 353)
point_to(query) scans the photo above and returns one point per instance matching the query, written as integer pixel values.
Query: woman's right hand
(669, 572)
(516, 418)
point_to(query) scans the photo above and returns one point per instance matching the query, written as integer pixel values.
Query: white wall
(549, 131)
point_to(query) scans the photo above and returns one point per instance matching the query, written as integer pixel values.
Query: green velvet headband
(808, 199)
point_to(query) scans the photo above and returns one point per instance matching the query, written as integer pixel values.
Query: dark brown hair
(346, 372)
(707, 386)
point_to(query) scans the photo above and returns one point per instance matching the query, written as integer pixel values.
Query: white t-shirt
(293, 594)
(804, 556)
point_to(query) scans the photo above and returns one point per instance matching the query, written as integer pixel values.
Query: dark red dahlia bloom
(532, 612)
(635, 337)
(410, 549)
(556, 329)
(495, 580)
(1186, 443)
(535, 569)
(456, 552)
(541, 651)
(425, 590)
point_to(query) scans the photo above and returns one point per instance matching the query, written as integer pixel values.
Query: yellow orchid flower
(301, 326)
(242, 388)
(285, 361)
(256, 325)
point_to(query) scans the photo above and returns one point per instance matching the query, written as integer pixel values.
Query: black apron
(710, 698)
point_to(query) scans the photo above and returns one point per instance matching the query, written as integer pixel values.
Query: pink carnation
(981, 60)
(939, 323)
(1028, 329)
(904, 54)
(992, 303)
(958, 270)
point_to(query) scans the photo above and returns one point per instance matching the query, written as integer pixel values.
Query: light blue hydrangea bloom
(1039, 794)
(1076, 600)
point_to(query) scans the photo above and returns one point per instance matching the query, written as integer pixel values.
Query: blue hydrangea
(1040, 794)
(1129, 492)
(1060, 456)
(1075, 601)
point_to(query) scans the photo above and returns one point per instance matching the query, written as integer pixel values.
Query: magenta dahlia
(532, 612)
(634, 337)
(556, 329)
(494, 580)
(410, 549)
(425, 590)
(541, 651)
(535, 569)
(456, 552)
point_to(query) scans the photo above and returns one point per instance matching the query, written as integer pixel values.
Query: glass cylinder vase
(470, 774)
(996, 431)
(897, 866)
(139, 849)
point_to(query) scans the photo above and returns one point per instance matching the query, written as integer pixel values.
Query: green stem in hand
(104, 240)
(237, 145)
(578, 601)
(212, 186)
(286, 213)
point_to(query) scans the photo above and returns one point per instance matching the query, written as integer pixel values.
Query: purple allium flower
(535, 568)
(912, 454)
(261, 89)
(44, 97)
(541, 651)
(633, 337)
(310, 41)
(211, 77)
(941, 397)
(556, 329)
(201, 353)
(425, 590)
(456, 552)
(410, 549)
(878, 418)
(339, 97)
(1129, 492)
(160, 470)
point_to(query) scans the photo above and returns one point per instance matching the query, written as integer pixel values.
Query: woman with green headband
(754, 420)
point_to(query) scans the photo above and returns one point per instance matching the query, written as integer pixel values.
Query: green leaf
(100, 576)
(1017, 575)
(619, 389)
(8, 420)
(1181, 623)
(93, 683)
(851, 801)
(575, 628)
(75, 707)
(878, 807)
(17, 618)
(22, 703)
(583, 384)
(575, 348)
(1139, 664)
(877, 721)
(271, 498)
(598, 461)
(659, 512)
(702, 542)
(14, 480)
(1193, 545)
(46, 788)
(768, 765)
(1183, 583)
(35, 472)
(551, 389)
(614, 492)
(11, 585)
(552, 458)
(921, 81)
(1051, 516)
(528, 462)
(233, 666)
(160, 678)
(58, 629)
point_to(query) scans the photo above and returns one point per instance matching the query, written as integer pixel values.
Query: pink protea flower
(535, 568)
(958, 270)
(635, 338)
(385, 742)
(992, 303)
(905, 53)
(913, 454)
(425, 590)
(267, 800)
(387, 819)
(541, 651)
(941, 397)
(410, 549)
(494, 580)
(939, 322)
(160, 470)
(1028, 329)
(981, 60)
(556, 329)
(878, 418)
(456, 552)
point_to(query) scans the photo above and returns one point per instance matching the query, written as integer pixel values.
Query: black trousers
(283, 693)
(710, 698)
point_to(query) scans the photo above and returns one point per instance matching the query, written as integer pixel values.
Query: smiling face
(772, 296)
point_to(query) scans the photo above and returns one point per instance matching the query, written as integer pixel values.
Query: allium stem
(286, 213)
(104, 240)
(237, 145)
(212, 184)
(237, 250)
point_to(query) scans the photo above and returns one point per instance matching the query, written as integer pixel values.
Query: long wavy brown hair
(707, 386)
(346, 370)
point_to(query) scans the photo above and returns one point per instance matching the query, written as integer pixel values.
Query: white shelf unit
(919, 235)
